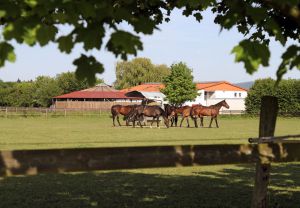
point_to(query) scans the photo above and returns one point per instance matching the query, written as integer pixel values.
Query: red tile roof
(95, 94)
(145, 88)
(207, 86)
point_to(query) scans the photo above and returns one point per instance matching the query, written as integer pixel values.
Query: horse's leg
(140, 123)
(188, 123)
(157, 120)
(113, 117)
(211, 119)
(201, 120)
(118, 120)
(127, 122)
(195, 121)
(181, 121)
(216, 122)
(176, 120)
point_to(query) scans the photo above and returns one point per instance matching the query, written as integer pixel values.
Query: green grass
(76, 132)
(208, 186)
(204, 186)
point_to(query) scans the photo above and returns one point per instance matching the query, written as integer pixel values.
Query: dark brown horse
(149, 111)
(212, 111)
(124, 110)
(170, 110)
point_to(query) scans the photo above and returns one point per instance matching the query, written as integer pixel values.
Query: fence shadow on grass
(230, 187)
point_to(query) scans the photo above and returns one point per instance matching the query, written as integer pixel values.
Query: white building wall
(199, 99)
(235, 104)
(229, 94)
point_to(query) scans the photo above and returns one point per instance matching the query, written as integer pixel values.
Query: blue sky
(201, 45)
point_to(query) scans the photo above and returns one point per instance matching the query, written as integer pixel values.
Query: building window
(240, 94)
(235, 94)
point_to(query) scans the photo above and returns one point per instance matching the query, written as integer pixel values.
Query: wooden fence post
(268, 115)
(46, 113)
(65, 112)
(6, 112)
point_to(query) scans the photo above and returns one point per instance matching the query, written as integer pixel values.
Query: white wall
(234, 103)
(235, 99)
(229, 94)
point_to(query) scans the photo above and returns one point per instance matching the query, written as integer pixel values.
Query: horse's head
(224, 103)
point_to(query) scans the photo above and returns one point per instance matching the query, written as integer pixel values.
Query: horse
(149, 111)
(212, 111)
(124, 110)
(185, 112)
(170, 112)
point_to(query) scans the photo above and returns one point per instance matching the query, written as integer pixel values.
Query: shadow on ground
(229, 187)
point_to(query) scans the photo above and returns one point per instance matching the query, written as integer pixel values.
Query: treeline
(288, 93)
(39, 92)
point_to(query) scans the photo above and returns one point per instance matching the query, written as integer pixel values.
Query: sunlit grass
(76, 132)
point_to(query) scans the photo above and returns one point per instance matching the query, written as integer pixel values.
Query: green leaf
(31, 3)
(90, 36)
(65, 43)
(87, 68)
(275, 30)
(256, 13)
(6, 53)
(290, 59)
(123, 43)
(198, 16)
(2, 13)
(45, 34)
(252, 53)
(143, 24)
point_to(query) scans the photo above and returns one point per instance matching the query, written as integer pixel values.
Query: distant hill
(245, 85)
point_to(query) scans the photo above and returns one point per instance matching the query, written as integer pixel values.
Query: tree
(38, 21)
(20, 94)
(137, 71)
(288, 93)
(45, 89)
(68, 82)
(179, 85)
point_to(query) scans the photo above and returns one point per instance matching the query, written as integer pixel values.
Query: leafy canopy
(137, 71)
(34, 22)
(179, 85)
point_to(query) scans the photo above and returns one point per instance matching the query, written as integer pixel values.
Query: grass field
(204, 186)
(75, 132)
(207, 186)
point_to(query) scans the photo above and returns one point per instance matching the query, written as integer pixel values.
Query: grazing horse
(124, 110)
(149, 111)
(212, 111)
(170, 111)
(185, 112)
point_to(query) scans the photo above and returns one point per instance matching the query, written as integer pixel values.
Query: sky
(202, 46)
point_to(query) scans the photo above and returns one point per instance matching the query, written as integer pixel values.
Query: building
(150, 91)
(101, 96)
(213, 92)
(209, 93)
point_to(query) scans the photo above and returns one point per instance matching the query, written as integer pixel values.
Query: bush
(288, 93)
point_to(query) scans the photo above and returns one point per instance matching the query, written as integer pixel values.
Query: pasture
(204, 186)
(78, 132)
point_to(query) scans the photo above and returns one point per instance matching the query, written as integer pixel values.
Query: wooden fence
(8, 112)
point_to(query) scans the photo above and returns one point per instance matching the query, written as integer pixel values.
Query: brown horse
(149, 111)
(185, 112)
(124, 110)
(212, 111)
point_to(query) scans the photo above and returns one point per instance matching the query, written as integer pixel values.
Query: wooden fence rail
(28, 162)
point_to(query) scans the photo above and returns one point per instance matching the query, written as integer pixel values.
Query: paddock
(182, 186)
